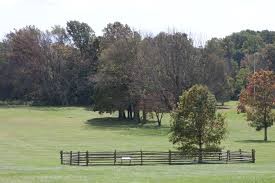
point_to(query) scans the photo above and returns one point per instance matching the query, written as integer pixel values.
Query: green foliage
(257, 119)
(226, 90)
(244, 48)
(61, 66)
(195, 124)
(267, 36)
(269, 56)
(241, 80)
(83, 36)
(45, 67)
(115, 79)
(259, 97)
(116, 31)
(238, 45)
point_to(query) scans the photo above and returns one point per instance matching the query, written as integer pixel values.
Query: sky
(202, 19)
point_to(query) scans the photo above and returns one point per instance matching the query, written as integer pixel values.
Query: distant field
(31, 138)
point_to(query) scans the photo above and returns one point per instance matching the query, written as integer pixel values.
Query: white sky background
(203, 18)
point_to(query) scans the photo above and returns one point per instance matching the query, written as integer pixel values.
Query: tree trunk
(265, 125)
(200, 153)
(136, 116)
(265, 134)
(128, 114)
(159, 118)
(120, 116)
(123, 115)
(200, 146)
(144, 116)
(159, 123)
(130, 111)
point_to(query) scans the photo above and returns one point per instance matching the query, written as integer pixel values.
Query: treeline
(53, 67)
(123, 70)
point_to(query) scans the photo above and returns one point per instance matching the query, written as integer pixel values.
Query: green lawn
(31, 138)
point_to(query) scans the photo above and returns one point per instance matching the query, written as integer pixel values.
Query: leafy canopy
(259, 97)
(195, 124)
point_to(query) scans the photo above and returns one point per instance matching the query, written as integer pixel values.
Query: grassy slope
(31, 138)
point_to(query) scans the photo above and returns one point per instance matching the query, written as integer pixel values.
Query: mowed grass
(31, 138)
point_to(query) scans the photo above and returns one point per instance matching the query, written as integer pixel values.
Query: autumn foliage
(258, 99)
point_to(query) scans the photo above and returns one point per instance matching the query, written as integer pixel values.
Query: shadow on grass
(109, 122)
(223, 107)
(128, 126)
(255, 141)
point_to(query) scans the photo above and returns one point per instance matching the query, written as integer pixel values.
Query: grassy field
(31, 138)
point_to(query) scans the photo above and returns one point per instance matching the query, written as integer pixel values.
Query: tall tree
(83, 37)
(85, 69)
(47, 67)
(195, 125)
(241, 80)
(27, 61)
(226, 90)
(177, 62)
(115, 88)
(269, 56)
(114, 32)
(259, 96)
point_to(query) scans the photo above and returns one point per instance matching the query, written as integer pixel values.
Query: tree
(47, 67)
(195, 125)
(259, 96)
(154, 96)
(116, 31)
(268, 36)
(5, 79)
(115, 88)
(27, 62)
(255, 61)
(226, 90)
(85, 66)
(269, 55)
(113, 79)
(59, 35)
(241, 80)
(83, 37)
(214, 72)
(177, 62)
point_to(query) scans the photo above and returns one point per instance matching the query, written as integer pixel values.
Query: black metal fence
(153, 157)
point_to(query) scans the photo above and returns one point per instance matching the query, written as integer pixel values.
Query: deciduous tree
(259, 97)
(195, 125)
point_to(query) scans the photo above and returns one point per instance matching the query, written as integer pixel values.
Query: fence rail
(153, 157)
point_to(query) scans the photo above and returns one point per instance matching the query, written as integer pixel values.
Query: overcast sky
(204, 18)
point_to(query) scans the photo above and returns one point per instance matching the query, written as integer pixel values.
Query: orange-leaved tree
(258, 97)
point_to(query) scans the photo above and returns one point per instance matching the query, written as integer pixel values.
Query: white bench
(127, 158)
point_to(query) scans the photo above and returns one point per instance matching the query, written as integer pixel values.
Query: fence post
(141, 158)
(115, 157)
(61, 157)
(169, 157)
(253, 156)
(78, 157)
(227, 156)
(220, 156)
(71, 157)
(87, 158)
